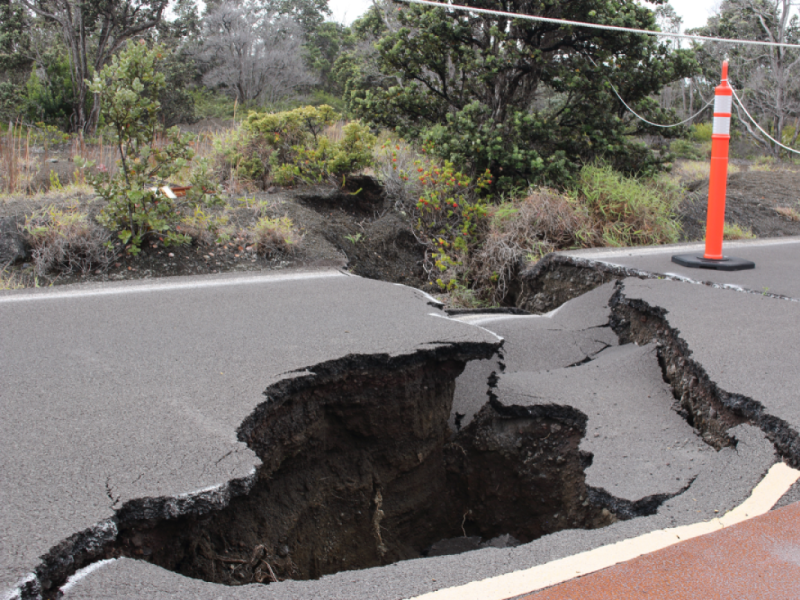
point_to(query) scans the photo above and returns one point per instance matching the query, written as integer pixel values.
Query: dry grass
(10, 281)
(24, 153)
(686, 172)
(765, 164)
(16, 165)
(527, 229)
(788, 212)
(335, 132)
(66, 241)
(103, 155)
(277, 235)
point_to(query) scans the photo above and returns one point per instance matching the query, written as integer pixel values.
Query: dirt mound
(751, 202)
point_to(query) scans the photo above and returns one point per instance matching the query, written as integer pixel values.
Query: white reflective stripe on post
(722, 125)
(723, 104)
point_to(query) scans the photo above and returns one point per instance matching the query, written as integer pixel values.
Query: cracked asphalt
(136, 391)
(113, 397)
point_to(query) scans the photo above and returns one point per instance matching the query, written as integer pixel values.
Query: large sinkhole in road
(360, 469)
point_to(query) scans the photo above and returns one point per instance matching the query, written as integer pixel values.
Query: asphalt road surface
(115, 394)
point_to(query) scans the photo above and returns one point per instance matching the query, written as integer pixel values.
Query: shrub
(240, 156)
(128, 88)
(210, 104)
(701, 132)
(287, 130)
(298, 149)
(394, 164)
(686, 149)
(67, 241)
(204, 188)
(206, 228)
(443, 205)
(628, 211)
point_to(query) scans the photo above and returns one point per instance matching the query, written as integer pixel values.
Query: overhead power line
(768, 136)
(685, 36)
(641, 118)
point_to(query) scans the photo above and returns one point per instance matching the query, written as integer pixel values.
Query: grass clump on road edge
(524, 230)
(628, 211)
(604, 209)
(733, 231)
(9, 281)
(275, 235)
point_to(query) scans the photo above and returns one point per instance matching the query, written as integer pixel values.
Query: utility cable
(641, 118)
(704, 38)
(685, 36)
(768, 136)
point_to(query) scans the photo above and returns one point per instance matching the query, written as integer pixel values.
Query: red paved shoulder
(754, 560)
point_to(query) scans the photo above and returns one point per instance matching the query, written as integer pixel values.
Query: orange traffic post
(718, 182)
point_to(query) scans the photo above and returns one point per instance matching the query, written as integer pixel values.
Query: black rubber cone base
(726, 263)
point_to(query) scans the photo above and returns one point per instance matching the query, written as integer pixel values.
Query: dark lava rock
(12, 244)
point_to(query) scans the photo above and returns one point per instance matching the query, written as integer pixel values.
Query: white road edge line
(81, 573)
(438, 316)
(600, 254)
(162, 286)
(775, 484)
(479, 318)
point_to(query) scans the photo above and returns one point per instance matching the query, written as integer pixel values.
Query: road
(118, 394)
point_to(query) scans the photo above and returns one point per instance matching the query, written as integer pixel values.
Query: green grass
(732, 231)
(628, 211)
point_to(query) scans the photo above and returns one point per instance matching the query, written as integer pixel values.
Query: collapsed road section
(727, 356)
(359, 470)
(353, 466)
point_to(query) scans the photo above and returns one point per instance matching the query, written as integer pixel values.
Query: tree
(15, 57)
(93, 30)
(670, 21)
(48, 92)
(310, 14)
(767, 79)
(530, 101)
(181, 67)
(254, 54)
(322, 50)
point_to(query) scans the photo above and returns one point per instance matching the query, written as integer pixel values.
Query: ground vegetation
(482, 144)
